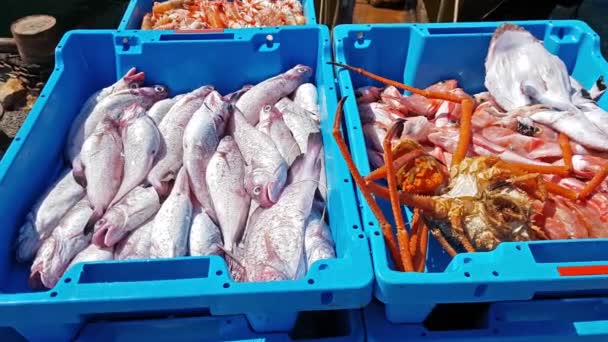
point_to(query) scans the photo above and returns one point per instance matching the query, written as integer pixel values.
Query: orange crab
(482, 202)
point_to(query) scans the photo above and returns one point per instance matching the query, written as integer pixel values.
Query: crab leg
(423, 238)
(386, 227)
(402, 235)
(398, 163)
(443, 242)
(415, 230)
(466, 102)
(456, 222)
(564, 143)
(593, 183)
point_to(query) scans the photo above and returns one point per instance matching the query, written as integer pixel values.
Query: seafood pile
(150, 176)
(524, 160)
(210, 14)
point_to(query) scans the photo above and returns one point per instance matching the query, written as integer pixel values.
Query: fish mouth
(132, 76)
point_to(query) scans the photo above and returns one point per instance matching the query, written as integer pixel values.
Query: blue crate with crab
(498, 156)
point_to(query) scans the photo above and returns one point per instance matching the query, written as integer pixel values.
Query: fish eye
(302, 70)
(257, 190)
(267, 108)
(133, 86)
(159, 89)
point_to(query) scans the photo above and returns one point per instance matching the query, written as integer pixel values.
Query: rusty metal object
(36, 37)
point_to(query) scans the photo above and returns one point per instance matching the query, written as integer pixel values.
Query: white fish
(159, 110)
(306, 97)
(299, 122)
(93, 253)
(576, 126)
(132, 79)
(102, 162)
(266, 170)
(172, 223)
(273, 125)
(46, 214)
(170, 156)
(225, 176)
(318, 242)
(205, 235)
(141, 141)
(274, 248)
(269, 91)
(129, 213)
(136, 245)
(112, 108)
(201, 137)
(56, 252)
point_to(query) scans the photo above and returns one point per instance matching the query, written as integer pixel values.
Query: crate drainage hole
(467, 274)
(467, 260)
(518, 247)
(345, 180)
(355, 226)
(53, 294)
(495, 273)
(377, 233)
(370, 223)
(323, 267)
(67, 280)
(361, 236)
(311, 281)
(226, 285)
(219, 273)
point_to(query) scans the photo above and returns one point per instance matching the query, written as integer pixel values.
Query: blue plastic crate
(334, 326)
(540, 320)
(89, 60)
(420, 55)
(138, 8)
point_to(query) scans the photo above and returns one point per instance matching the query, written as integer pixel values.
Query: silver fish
(269, 91)
(159, 110)
(141, 141)
(129, 213)
(306, 97)
(131, 80)
(271, 123)
(266, 170)
(172, 223)
(110, 107)
(205, 235)
(102, 163)
(46, 214)
(225, 175)
(318, 242)
(298, 120)
(274, 248)
(521, 72)
(201, 137)
(56, 252)
(136, 245)
(170, 155)
(93, 253)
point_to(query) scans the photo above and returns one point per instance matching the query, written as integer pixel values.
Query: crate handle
(210, 34)
(218, 30)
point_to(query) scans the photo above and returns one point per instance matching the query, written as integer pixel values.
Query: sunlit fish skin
(521, 72)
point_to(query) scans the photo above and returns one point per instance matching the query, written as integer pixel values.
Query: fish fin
(78, 172)
(90, 225)
(598, 89)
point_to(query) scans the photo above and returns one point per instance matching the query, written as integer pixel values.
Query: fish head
(300, 72)
(150, 95)
(266, 187)
(47, 267)
(131, 80)
(220, 109)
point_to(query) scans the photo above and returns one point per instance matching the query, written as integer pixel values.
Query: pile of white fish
(240, 176)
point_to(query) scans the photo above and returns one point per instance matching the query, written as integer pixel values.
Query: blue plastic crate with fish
(584, 319)
(133, 17)
(89, 60)
(423, 54)
(332, 326)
